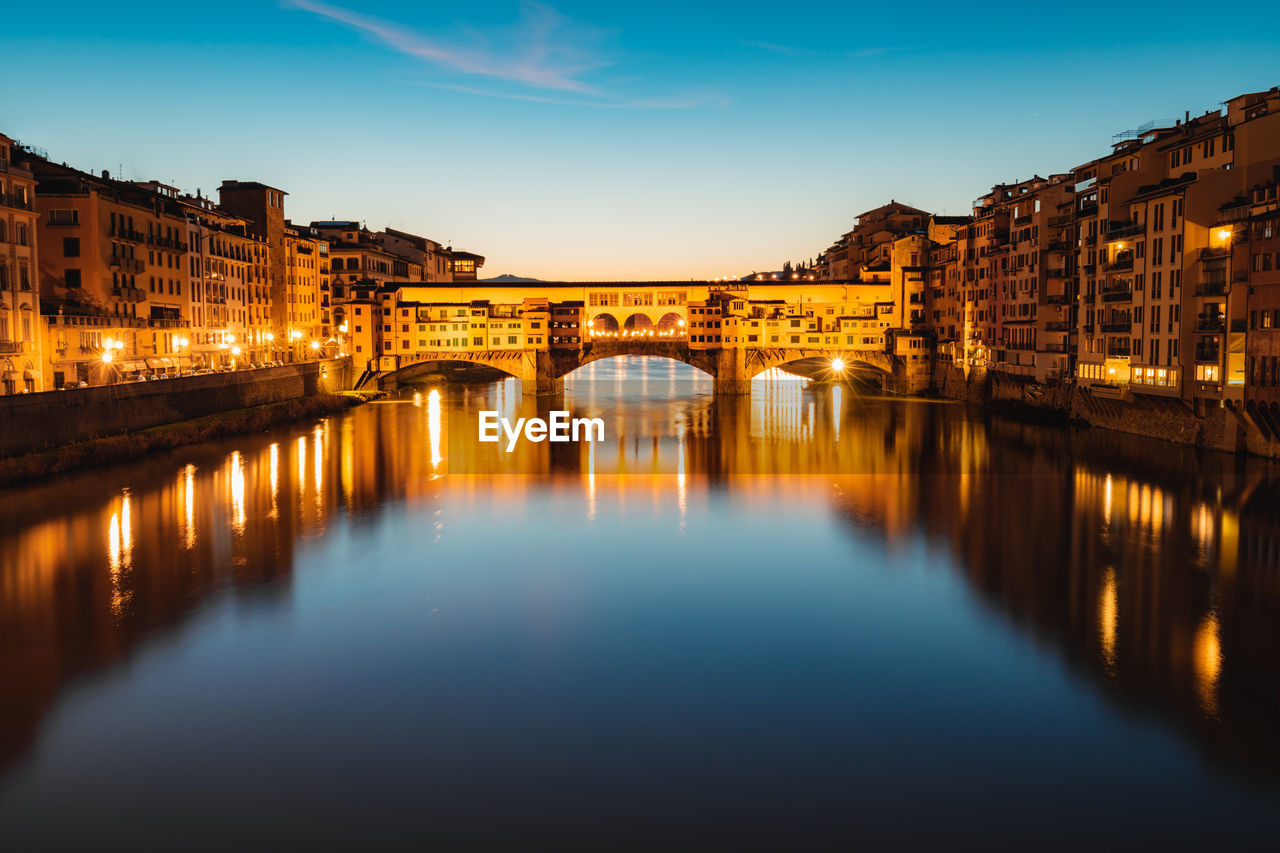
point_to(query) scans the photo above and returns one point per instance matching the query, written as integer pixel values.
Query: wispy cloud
(543, 51)
(671, 103)
(783, 49)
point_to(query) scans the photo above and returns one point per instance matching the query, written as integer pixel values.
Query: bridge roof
(534, 285)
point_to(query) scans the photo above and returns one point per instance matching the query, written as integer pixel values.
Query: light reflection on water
(807, 608)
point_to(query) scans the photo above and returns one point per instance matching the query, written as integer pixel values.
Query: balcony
(1117, 295)
(11, 347)
(1057, 326)
(1059, 246)
(1056, 272)
(1023, 220)
(1117, 327)
(1120, 230)
(1091, 240)
(1210, 323)
(128, 265)
(1213, 287)
(1207, 354)
(1088, 328)
(1058, 299)
(167, 243)
(1213, 252)
(1122, 263)
(1089, 209)
(1060, 221)
(1057, 348)
(128, 235)
(1119, 348)
(129, 294)
(15, 202)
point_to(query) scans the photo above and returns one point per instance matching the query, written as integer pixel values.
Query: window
(71, 278)
(71, 247)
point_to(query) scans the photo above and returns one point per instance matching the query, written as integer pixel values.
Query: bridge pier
(540, 376)
(731, 377)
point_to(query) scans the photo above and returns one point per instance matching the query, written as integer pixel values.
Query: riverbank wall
(1226, 428)
(33, 422)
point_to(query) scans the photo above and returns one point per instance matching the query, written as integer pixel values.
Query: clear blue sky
(583, 140)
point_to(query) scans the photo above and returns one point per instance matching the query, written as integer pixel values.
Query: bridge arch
(605, 322)
(670, 321)
(638, 323)
(645, 348)
(818, 363)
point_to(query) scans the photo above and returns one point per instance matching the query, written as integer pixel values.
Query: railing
(1059, 246)
(1120, 265)
(1215, 287)
(1057, 326)
(14, 201)
(166, 243)
(1209, 324)
(1088, 209)
(1207, 353)
(1048, 347)
(1120, 230)
(1214, 252)
(1118, 349)
(1056, 272)
(1057, 299)
(128, 235)
(10, 347)
(129, 294)
(1060, 221)
(132, 265)
(1117, 295)
(1117, 327)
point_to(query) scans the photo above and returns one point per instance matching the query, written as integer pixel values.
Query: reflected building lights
(317, 466)
(189, 506)
(1108, 618)
(1208, 663)
(273, 455)
(836, 401)
(433, 427)
(1106, 500)
(237, 492)
(302, 465)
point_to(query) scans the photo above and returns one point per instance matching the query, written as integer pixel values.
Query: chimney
(106, 176)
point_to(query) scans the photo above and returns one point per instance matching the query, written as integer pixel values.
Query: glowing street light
(107, 356)
(315, 345)
(837, 365)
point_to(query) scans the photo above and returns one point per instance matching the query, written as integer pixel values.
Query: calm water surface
(810, 618)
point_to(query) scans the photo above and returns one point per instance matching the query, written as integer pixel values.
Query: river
(808, 618)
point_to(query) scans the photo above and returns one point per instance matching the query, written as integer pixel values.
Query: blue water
(725, 627)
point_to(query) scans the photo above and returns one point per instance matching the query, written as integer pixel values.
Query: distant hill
(507, 278)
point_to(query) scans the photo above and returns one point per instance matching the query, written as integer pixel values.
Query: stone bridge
(731, 369)
(539, 332)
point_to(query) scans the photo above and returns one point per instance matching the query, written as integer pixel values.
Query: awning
(159, 362)
(11, 374)
(27, 374)
(130, 366)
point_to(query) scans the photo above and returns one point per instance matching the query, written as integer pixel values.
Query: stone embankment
(1225, 428)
